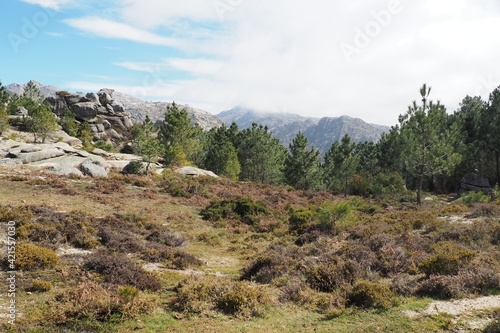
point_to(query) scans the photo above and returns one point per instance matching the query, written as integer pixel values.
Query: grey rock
(85, 110)
(100, 128)
(117, 107)
(62, 171)
(127, 122)
(116, 123)
(109, 110)
(106, 124)
(68, 139)
(135, 168)
(66, 147)
(21, 111)
(73, 99)
(105, 96)
(58, 105)
(40, 155)
(30, 149)
(10, 161)
(114, 134)
(93, 169)
(475, 182)
(195, 172)
(100, 152)
(92, 97)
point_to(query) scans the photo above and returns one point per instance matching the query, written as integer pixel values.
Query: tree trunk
(419, 189)
(498, 168)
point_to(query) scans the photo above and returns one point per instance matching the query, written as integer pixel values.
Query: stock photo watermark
(30, 28)
(222, 7)
(486, 85)
(363, 37)
(10, 281)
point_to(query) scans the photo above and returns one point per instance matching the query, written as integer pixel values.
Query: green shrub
(333, 274)
(171, 258)
(40, 286)
(473, 197)
(447, 259)
(100, 144)
(441, 286)
(30, 257)
(302, 219)
(370, 295)
(121, 270)
(276, 261)
(203, 294)
(166, 237)
(244, 299)
(243, 209)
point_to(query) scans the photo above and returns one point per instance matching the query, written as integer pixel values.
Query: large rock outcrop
(107, 118)
(476, 182)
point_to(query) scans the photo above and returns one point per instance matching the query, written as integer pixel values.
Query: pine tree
(429, 144)
(302, 165)
(261, 155)
(4, 101)
(219, 152)
(42, 121)
(145, 142)
(178, 138)
(340, 165)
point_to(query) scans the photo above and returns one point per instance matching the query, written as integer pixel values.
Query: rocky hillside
(321, 133)
(136, 107)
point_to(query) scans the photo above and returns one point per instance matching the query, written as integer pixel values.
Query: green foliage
(69, 123)
(100, 144)
(85, 134)
(87, 303)
(203, 294)
(302, 165)
(145, 142)
(178, 138)
(244, 299)
(41, 122)
(261, 155)
(369, 295)
(4, 100)
(219, 154)
(429, 145)
(303, 218)
(474, 197)
(243, 209)
(32, 257)
(340, 165)
(39, 286)
(121, 270)
(447, 259)
(323, 218)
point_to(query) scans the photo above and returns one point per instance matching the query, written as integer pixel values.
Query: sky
(317, 58)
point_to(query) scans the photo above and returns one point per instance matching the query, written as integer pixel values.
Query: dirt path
(475, 312)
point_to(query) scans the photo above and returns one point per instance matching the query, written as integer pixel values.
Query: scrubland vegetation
(174, 254)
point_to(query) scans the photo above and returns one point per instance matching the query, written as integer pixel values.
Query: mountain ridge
(320, 132)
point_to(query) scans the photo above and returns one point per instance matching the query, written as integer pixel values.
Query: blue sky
(365, 59)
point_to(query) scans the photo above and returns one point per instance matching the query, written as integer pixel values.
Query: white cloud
(52, 4)
(111, 29)
(197, 67)
(286, 55)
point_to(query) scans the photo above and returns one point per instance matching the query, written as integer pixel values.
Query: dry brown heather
(174, 254)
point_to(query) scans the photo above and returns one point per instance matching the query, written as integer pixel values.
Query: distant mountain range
(320, 132)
